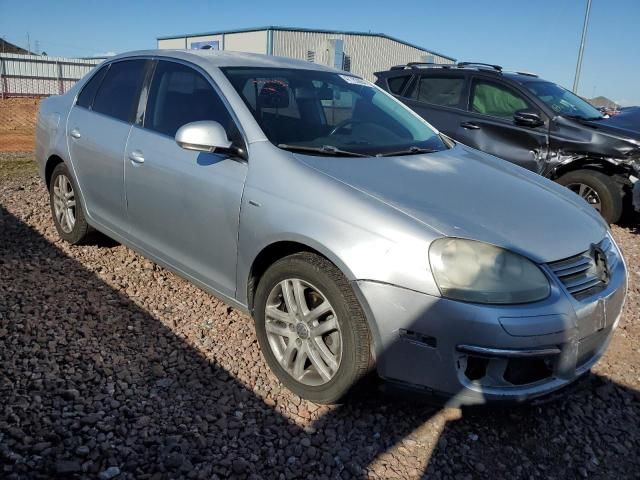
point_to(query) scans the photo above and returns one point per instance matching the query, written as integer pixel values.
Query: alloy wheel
(588, 193)
(303, 332)
(64, 203)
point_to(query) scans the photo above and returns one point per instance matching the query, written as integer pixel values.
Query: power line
(576, 80)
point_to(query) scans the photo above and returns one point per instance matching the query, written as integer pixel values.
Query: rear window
(397, 84)
(445, 91)
(118, 92)
(85, 99)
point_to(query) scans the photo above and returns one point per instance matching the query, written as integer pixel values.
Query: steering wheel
(342, 124)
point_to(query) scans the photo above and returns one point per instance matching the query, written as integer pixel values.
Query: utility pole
(28, 43)
(576, 80)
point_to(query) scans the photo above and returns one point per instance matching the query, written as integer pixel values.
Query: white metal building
(359, 52)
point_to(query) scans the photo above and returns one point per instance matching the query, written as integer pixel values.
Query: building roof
(8, 47)
(311, 30)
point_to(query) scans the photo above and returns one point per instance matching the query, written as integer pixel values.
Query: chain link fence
(40, 76)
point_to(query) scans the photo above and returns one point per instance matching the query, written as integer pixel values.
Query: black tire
(81, 229)
(356, 337)
(609, 192)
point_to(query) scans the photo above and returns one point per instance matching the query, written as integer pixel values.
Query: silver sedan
(359, 238)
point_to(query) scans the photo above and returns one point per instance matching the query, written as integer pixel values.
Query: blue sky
(540, 36)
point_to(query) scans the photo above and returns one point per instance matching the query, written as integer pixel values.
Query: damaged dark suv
(531, 122)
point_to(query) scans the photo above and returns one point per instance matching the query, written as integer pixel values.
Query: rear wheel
(311, 328)
(66, 208)
(600, 191)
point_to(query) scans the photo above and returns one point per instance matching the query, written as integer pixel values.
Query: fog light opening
(476, 367)
(521, 371)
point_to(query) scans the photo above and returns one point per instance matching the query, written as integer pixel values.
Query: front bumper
(475, 354)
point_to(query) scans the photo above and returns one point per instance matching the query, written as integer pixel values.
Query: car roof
(216, 58)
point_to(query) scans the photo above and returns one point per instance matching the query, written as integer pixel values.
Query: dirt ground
(112, 367)
(17, 124)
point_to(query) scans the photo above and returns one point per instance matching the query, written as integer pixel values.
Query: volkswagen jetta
(358, 237)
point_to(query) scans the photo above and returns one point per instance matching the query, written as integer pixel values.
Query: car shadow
(90, 380)
(630, 220)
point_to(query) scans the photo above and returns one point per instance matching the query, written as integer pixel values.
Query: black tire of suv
(356, 338)
(81, 229)
(606, 187)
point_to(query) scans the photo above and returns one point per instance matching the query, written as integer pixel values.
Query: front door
(184, 206)
(488, 125)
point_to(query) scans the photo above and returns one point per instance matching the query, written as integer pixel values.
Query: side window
(496, 100)
(85, 99)
(397, 84)
(118, 93)
(444, 91)
(180, 95)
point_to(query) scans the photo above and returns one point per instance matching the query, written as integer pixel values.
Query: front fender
(285, 200)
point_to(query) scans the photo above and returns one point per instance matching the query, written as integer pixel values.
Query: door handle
(75, 133)
(136, 156)
(470, 126)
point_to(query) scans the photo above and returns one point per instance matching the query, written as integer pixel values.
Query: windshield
(326, 113)
(563, 102)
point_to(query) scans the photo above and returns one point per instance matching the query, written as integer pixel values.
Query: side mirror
(203, 136)
(528, 118)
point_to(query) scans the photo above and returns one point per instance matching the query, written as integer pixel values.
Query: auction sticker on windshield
(355, 80)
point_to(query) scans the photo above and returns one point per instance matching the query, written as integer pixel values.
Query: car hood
(620, 126)
(465, 193)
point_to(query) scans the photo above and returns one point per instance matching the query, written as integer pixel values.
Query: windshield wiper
(325, 149)
(409, 151)
(585, 119)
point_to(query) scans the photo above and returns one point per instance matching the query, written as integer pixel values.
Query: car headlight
(478, 272)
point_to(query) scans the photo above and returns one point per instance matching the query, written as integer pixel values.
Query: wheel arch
(586, 162)
(52, 162)
(276, 250)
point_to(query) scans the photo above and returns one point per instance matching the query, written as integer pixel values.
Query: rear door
(97, 131)
(183, 205)
(488, 125)
(439, 98)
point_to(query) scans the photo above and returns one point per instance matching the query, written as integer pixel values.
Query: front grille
(582, 274)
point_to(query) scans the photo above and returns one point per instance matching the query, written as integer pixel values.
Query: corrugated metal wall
(34, 75)
(368, 54)
(249, 42)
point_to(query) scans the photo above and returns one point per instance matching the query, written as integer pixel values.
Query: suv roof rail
(528, 74)
(420, 64)
(461, 65)
(497, 68)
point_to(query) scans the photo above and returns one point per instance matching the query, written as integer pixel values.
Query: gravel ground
(111, 367)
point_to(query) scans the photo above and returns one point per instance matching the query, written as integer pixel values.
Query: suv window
(497, 100)
(118, 92)
(180, 95)
(445, 91)
(85, 99)
(397, 84)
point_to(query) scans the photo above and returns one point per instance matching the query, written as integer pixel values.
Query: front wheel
(600, 191)
(311, 328)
